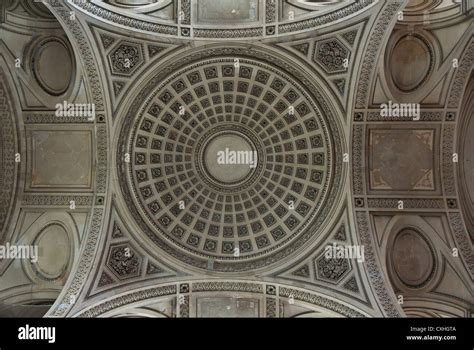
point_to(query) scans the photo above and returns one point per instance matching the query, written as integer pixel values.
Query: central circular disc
(229, 158)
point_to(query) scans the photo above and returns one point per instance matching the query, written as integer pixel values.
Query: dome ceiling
(239, 216)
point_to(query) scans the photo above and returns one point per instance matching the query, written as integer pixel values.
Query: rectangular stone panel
(403, 159)
(227, 307)
(224, 11)
(60, 159)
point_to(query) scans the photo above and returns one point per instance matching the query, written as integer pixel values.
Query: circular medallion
(230, 163)
(53, 66)
(411, 62)
(221, 158)
(229, 157)
(54, 245)
(413, 260)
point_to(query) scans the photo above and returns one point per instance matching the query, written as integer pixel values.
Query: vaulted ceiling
(131, 213)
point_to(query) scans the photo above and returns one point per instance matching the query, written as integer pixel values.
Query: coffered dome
(241, 216)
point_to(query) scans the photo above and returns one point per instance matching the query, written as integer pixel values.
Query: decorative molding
(336, 15)
(183, 302)
(358, 117)
(102, 162)
(128, 299)
(424, 117)
(51, 118)
(317, 300)
(408, 203)
(8, 148)
(38, 200)
(330, 55)
(124, 20)
(186, 11)
(124, 266)
(331, 270)
(228, 33)
(126, 58)
(376, 275)
(271, 11)
(70, 294)
(332, 274)
(461, 237)
(85, 49)
(461, 76)
(357, 160)
(123, 261)
(273, 305)
(223, 33)
(227, 286)
(447, 158)
(371, 55)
